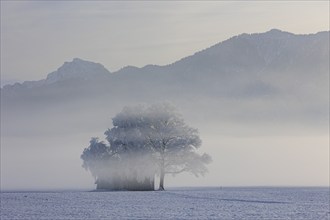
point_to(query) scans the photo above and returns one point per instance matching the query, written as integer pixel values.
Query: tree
(126, 138)
(174, 143)
(142, 143)
(100, 160)
(94, 157)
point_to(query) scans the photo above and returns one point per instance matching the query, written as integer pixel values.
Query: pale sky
(37, 37)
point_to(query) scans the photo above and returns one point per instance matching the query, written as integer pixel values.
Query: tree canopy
(144, 142)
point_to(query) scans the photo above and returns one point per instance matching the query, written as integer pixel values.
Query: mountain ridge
(245, 80)
(224, 51)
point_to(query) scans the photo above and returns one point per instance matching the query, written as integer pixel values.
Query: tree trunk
(162, 175)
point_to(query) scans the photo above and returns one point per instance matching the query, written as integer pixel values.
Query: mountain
(261, 53)
(266, 51)
(77, 69)
(270, 51)
(266, 77)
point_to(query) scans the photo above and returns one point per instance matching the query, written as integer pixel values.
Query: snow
(180, 203)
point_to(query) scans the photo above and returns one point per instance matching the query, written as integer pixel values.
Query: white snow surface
(181, 203)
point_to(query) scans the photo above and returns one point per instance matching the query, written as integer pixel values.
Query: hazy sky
(38, 36)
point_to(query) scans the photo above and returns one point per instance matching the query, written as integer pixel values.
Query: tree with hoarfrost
(173, 142)
(144, 143)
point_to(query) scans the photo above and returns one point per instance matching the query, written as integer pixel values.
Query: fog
(43, 151)
(253, 141)
(54, 163)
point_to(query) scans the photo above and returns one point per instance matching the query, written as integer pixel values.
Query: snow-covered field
(180, 203)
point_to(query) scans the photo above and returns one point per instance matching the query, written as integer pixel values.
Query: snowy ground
(190, 203)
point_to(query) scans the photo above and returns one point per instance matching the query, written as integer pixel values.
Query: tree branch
(176, 172)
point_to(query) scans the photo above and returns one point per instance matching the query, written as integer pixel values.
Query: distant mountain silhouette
(274, 50)
(274, 74)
